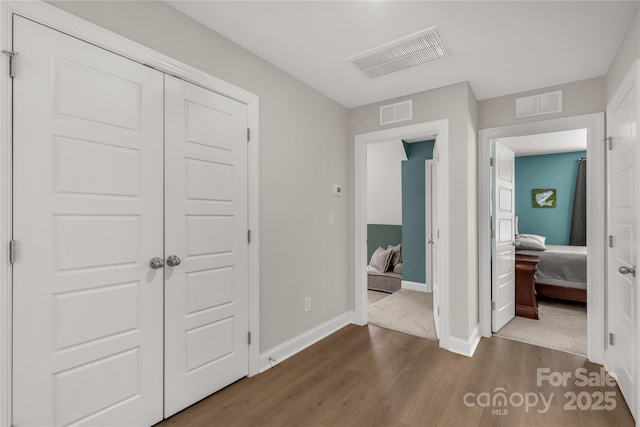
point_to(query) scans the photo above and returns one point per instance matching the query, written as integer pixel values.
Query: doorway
(594, 126)
(547, 222)
(423, 131)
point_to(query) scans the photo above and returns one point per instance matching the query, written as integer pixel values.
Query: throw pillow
(380, 259)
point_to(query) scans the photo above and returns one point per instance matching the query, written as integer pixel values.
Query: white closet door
(88, 132)
(206, 296)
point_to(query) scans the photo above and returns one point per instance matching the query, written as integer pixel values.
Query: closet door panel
(88, 217)
(206, 296)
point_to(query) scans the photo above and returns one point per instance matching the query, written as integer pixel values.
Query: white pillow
(530, 244)
(541, 239)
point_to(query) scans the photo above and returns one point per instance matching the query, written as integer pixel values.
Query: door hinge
(611, 338)
(609, 141)
(12, 251)
(248, 134)
(610, 241)
(248, 236)
(491, 161)
(12, 62)
(493, 233)
(249, 337)
(438, 234)
(493, 305)
(438, 311)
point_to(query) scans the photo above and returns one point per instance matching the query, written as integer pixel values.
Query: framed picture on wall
(544, 197)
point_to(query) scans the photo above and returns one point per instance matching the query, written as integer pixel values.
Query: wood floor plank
(370, 376)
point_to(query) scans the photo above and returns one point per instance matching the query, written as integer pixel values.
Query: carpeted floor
(562, 326)
(405, 311)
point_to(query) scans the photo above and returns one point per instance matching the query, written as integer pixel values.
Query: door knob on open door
(430, 241)
(156, 262)
(173, 261)
(627, 270)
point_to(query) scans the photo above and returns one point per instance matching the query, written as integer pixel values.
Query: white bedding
(561, 266)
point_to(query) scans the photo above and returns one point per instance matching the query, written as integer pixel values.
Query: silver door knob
(173, 260)
(430, 241)
(156, 262)
(627, 270)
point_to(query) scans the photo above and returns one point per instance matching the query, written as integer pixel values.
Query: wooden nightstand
(526, 301)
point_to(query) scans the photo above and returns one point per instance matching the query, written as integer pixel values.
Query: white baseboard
(302, 341)
(465, 347)
(414, 286)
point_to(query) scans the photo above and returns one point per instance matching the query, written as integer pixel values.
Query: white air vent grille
(537, 105)
(419, 48)
(398, 112)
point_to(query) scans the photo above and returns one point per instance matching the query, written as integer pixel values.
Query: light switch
(331, 219)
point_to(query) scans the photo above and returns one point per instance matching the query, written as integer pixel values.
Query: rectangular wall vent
(398, 112)
(415, 49)
(537, 105)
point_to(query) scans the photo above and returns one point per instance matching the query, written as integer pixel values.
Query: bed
(562, 272)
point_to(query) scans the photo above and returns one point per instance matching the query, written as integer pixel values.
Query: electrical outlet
(307, 304)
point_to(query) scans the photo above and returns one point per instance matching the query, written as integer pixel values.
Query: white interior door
(435, 237)
(622, 257)
(428, 173)
(88, 131)
(206, 296)
(503, 285)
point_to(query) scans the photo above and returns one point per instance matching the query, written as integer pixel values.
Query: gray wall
(458, 104)
(581, 97)
(303, 151)
(628, 52)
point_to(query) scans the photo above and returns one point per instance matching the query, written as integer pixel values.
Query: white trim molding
(427, 130)
(596, 205)
(466, 347)
(297, 344)
(65, 22)
(414, 286)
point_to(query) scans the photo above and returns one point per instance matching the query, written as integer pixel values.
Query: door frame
(68, 23)
(426, 130)
(632, 78)
(427, 230)
(596, 205)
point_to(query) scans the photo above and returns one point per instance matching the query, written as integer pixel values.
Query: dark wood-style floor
(369, 376)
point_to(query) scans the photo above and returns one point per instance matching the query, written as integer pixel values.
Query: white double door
(116, 164)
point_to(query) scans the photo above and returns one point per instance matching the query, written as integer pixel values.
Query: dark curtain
(578, 235)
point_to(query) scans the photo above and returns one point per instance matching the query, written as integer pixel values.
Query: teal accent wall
(382, 235)
(557, 171)
(414, 211)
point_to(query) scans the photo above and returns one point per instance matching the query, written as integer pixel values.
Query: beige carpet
(562, 326)
(406, 311)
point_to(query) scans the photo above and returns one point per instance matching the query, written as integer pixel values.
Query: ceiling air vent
(398, 112)
(416, 49)
(537, 105)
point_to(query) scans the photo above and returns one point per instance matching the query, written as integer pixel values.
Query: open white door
(503, 288)
(206, 288)
(622, 125)
(428, 173)
(87, 306)
(435, 237)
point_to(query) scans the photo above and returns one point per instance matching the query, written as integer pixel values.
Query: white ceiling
(499, 47)
(547, 143)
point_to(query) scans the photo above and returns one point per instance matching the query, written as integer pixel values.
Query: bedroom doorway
(542, 256)
(399, 290)
(438, 131)
(592, 126)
